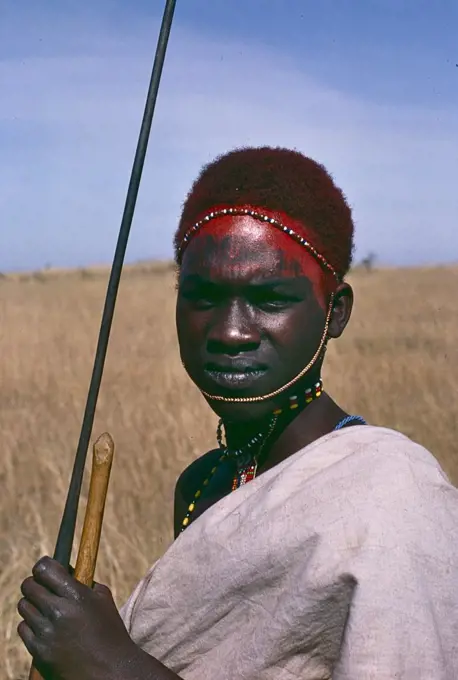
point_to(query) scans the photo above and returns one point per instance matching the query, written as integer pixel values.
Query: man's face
(250, 313)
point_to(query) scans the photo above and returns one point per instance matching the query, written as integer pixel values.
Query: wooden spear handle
(92, 528)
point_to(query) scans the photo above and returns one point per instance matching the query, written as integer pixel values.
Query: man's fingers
(31, 615)
(101, 589)
(27, 636)
(55, 578)
(34, 646)
(40, 597)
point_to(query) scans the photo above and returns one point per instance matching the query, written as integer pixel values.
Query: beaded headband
(265, 216)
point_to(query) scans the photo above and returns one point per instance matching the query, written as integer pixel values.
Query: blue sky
(367, 87)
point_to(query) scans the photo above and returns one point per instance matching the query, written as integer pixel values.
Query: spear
(66, 533)
(103, 449)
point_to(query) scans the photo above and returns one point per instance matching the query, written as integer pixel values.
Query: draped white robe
(340, 562)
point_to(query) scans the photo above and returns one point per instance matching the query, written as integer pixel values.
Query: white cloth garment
(340, 562)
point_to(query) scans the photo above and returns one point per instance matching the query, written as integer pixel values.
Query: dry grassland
(397, 365)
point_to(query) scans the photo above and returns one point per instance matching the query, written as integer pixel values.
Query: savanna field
(397, 365)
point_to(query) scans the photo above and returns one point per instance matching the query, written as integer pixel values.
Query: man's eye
(200, 298)
(203, 303)
(271, 301)
(274, 304)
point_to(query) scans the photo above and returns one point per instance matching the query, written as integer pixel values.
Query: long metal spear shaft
(66, 534)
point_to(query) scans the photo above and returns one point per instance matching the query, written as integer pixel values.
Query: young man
(309, 544)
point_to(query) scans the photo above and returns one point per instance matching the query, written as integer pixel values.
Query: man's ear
(341, 312)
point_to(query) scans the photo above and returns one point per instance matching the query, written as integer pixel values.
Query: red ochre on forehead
(283, 233)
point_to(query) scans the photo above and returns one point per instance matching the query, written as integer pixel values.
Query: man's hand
(73, 632)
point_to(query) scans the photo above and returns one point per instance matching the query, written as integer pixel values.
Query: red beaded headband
(265, 216)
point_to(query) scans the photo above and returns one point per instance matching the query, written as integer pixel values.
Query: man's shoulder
(188, 482)
(370, 475)
(380, 449)
(370, 490)
(395, 480)
(198, 470)
(372, 449)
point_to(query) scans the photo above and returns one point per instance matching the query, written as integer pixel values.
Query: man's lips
(235, 366)
(234, 374)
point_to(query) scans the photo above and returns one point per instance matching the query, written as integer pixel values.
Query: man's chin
(245, 412)
(237, 412)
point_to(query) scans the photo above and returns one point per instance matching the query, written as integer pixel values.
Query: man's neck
(314, 421)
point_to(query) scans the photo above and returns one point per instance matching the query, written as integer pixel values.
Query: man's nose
(233, 331)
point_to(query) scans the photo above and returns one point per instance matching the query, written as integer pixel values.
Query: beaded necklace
(247, 462)
(247, 473)
(349, 419)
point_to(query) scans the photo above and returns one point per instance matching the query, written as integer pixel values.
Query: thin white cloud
(69, 125)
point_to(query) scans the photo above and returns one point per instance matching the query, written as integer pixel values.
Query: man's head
(264, 242)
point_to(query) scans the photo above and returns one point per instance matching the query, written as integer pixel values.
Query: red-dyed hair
(279, 180)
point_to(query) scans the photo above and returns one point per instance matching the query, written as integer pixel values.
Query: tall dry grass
(397, 365)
